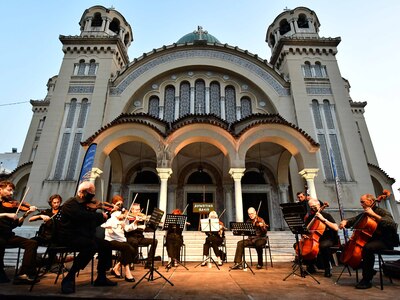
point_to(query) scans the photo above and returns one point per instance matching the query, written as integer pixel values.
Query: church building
(201, 121)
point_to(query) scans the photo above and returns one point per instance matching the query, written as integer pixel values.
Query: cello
(363, 228)
(309, 244)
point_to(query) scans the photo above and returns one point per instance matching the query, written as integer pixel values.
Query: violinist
(213, 240)
(76, 229)
(259, 240)
(45, 230)
(115, 228)
(384, 237)
(174, 241)
(136, 237)
(8, 221)
(328, 239)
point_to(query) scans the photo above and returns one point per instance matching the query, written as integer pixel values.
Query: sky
(367, 56)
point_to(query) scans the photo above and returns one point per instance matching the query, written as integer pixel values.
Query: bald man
(259, 240)
(77, 229)
(328, 239)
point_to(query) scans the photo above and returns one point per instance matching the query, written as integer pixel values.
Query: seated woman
(115, 228)
(174, 241)
(214, 240)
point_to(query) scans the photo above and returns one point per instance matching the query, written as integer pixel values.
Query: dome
(198, 35)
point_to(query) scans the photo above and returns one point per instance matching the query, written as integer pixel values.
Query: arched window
(215, 98)
(114, 26)
(230, 104)
(318, 71)
(200, 97)
(272, 40)
(316, 114)
(199, 177)
(169, 103)
(97, 21)
(127, 38)
(74, 156)
(245, 107)
(284, 27)
(71, 114)
(307, 69)
(83, 113)
(92, 67)
(81, 67)
(154, 104)
(184, 98)
(302, 21)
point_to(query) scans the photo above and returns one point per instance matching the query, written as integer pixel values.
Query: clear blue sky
(368, 55)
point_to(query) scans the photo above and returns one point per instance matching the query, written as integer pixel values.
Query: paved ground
(211, 283)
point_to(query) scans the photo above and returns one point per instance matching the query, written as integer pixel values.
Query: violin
(13, 205)
(363, 229)
(96, 204)
(309, 244)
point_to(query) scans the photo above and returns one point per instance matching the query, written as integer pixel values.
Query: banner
(87, 163)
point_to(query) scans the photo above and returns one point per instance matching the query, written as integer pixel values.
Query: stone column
(207, 108)
(283, 195)
(309, 175)
(192, 108)
(164, 174)
(237, 174)
(228, 202)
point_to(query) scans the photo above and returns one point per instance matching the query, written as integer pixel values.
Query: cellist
(328, 239)
(384, 237)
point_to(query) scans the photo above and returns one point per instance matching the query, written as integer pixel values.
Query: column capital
(309, 173)
(164, 173)
(237, 173)
(283, 187)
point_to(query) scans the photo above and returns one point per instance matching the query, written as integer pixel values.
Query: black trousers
(28, 265)
(213, 241)
(128, 253)
(87, 248)
(368, 257)
(136, 241)
(259, 243)
(174, 243)
(324, 255)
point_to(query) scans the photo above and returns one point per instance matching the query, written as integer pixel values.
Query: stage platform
(210, 283)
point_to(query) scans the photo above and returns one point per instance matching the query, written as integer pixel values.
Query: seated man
(136, 237)
(328, 239)
(259, 240)
(8, 221)
(76, 229)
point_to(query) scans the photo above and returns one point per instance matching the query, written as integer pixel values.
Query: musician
(384, 237)
(76, 229)
(214, 240)
(259, 240)
(46, 228)
(115, 228)
(8, 221)
(136, 237)
(174, 240)
(328, 239)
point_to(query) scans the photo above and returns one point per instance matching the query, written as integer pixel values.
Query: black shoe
(115, 274)
(328, 273)
(129, 279)
(259, 267)
(68, 286)
(157, 258)
(104, 282)
(364, 284)
(237, 267)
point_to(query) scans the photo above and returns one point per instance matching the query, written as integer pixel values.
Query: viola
(363, 229)
(309, 244)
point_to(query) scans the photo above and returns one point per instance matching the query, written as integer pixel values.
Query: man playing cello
(384, 237)
(328, 238)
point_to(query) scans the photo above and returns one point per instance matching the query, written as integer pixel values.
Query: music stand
(209, 226)
(243, 228)
(155, 219)
(174, 221)
(294, 213)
